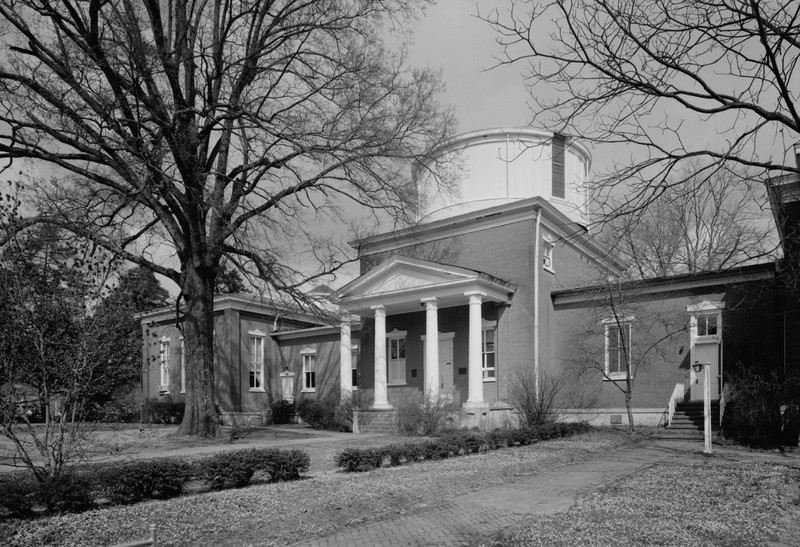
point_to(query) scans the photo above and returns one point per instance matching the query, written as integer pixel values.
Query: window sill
(394, 384)
(549, 269)
(310, 390)
(707, 338)
(489, 380)
(257, 390)
(616, 377)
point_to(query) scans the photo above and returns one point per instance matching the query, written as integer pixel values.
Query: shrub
(450, 444)
(127, 483)
(424, 415)
(327, 413)
(283, 412)
(532, 409)
(132, 482)
(19, 494)
(760, 409)
(236, 469)
(163, 410)
(68, 492)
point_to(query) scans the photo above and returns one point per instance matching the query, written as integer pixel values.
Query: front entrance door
(446, 378)
(446, 365)
(705, 352)
(705, 331)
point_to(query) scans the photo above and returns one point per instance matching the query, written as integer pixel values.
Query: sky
(450, 37)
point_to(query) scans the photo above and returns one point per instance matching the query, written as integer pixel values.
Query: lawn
(711, 502)
(327, 502)
(697, 502)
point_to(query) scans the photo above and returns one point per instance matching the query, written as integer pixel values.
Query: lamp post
(706, 368)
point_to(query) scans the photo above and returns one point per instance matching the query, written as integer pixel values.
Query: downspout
(536, 268)
(508, 161)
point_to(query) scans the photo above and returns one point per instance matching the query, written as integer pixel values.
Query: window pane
(393, 346)
(402, 346)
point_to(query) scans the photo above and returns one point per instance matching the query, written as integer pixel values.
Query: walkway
(463, 520)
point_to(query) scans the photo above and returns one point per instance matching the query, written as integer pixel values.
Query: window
(257, 361)
(354, 365)
(183, 366)
(396, 362)
(309, 370)
(488, 353)
(547, 253)
(618, 348)
(707, 325)
(163, 356)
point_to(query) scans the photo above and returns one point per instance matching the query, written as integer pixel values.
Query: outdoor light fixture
(698, 367)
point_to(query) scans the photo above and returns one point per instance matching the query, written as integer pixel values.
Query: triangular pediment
(403, 274)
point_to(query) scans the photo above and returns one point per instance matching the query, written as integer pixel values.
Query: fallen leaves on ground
(278, 514)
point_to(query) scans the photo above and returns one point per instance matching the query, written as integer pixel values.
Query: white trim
(257, 366)
(304, 354)
(390, 336)
(548, 253)
(257, 333)
(617, 324)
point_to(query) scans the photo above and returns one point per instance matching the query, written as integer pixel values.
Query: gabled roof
(400, 283)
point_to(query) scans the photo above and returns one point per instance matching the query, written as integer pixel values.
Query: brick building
(502, 271)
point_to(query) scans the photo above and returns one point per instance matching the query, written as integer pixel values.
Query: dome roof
(496, 166)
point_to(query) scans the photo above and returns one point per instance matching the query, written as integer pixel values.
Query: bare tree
(218, 129)
(703, 225)
(676, 80)
(631, 333)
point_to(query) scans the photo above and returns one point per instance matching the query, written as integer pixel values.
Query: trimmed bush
(328, 413)
(450, 444)
(131, 482)
(163, 410)
(283, 412)
(138, 481)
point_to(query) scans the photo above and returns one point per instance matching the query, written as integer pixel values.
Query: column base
(474, 405)
(382, 406)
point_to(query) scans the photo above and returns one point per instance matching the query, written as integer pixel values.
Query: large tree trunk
(629, 401)
(200, 417)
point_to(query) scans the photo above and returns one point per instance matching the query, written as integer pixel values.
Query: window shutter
(558, 166)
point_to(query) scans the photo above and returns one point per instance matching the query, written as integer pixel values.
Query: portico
(402, 292)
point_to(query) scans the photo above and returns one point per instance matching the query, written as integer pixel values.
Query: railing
(149, 542)
(678, 395)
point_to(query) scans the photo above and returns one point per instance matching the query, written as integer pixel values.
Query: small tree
(617, 310)
(56, 353)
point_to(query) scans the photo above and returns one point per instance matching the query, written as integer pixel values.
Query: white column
(381, 393)
(345, 359)
(475, 375)
(431, 347)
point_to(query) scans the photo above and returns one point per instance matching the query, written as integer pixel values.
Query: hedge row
(132, 482)
(451, 444)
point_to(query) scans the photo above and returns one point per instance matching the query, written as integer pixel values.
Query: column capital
(380, 310)
(431, 303)
(475, 297)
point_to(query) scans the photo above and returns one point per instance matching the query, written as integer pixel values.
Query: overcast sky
(452, 38)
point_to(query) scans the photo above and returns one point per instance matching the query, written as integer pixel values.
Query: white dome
(499, 166)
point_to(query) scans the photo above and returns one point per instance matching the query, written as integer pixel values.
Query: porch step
(689, 416)
(371, 421)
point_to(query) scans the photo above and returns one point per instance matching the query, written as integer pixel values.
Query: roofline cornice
(501, 215)
(745, 274)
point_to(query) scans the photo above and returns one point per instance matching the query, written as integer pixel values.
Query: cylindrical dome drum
(503, 165)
